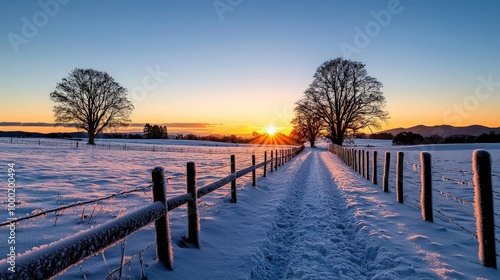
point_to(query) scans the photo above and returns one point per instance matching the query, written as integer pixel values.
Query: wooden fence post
(164, 249)
(374, 170)
(272, 160)
(233, 182)
(265, 164)
(192, 206)
(355, 159)
(426, 192)
(367, 165)
(399, 177)
(254, 179)
(359, 161)
(276, 159)
(363, 163)
(351, 163)
(483, 204)
(385, 176)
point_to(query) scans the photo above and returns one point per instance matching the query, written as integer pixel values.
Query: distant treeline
(410, 138)
(152, 135)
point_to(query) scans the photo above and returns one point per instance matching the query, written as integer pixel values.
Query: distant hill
(445, 130)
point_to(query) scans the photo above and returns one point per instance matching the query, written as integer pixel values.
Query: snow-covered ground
(313, 219)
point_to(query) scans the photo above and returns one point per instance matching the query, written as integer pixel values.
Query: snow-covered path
(316, 236)
(297, 224)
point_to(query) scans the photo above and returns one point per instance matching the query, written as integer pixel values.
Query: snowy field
(313, 219)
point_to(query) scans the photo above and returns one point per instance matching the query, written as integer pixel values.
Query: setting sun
(271, 130)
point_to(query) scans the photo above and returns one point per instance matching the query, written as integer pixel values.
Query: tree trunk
(312, 140)
(338, 141)
(91, 134)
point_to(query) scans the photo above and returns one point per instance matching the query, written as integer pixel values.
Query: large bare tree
(306, 124)
(346, 98)
(91, 100)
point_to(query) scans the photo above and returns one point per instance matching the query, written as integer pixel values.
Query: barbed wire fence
(444, 201)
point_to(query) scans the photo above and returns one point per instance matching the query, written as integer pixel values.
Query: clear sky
(237, 66)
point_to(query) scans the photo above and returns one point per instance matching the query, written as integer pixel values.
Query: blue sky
(243, 66)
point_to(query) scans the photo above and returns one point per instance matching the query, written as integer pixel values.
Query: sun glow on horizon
(271, 130)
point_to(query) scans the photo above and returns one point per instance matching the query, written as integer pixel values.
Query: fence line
(133, 146)
(483, 205)
(80, 203)
(58, 256)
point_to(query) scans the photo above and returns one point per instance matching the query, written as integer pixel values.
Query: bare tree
(346, 98)
(91, 100)
(306, 124)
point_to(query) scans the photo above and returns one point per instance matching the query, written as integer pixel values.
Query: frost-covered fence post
(193, 236)
(233, 182)
(254, 183)
(164, 249)
(374, 170)
(367, 165)
(363, 166)
(399, 177)
(359, 161)
(426, 192)
(351, 154)
(483, 204)
(354, 159)
(276, 159)
(265, 164)
(272, 160)
(385, 176)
